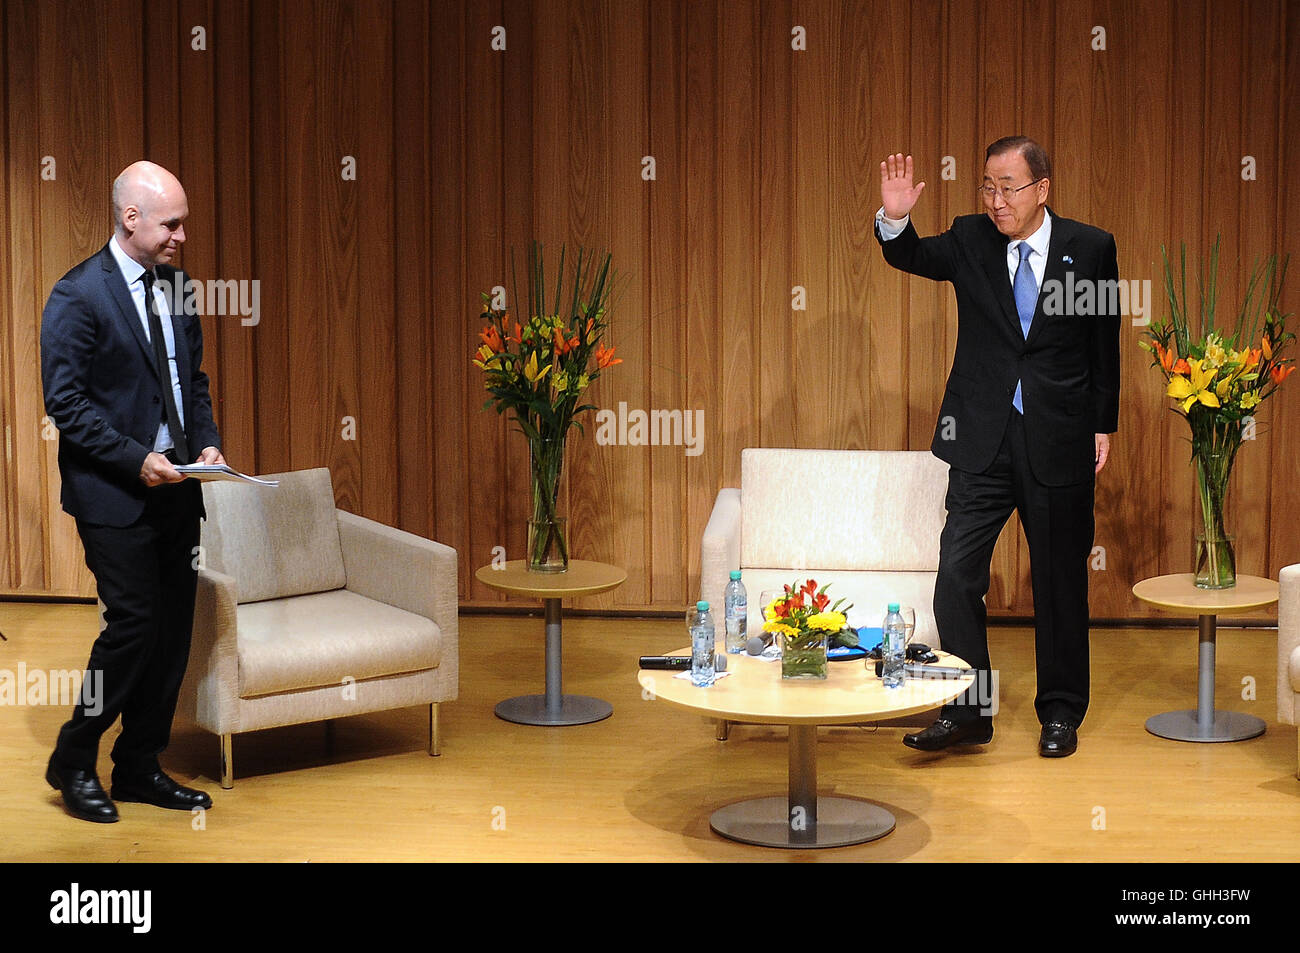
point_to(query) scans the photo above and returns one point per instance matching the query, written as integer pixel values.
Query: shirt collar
(131, 269)
(1041, 238)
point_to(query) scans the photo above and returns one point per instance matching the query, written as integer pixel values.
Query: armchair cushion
(1288, 645)
(278, 542)
(318, 640)
(842, 509)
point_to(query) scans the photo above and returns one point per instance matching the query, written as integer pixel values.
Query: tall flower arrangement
(1218, 375)
(538, 369)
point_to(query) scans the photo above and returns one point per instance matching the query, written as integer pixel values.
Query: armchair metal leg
(724, 729)
(1297, 752)
(435, 734)
(227, 764)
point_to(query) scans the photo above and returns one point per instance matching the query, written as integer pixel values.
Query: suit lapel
(995, 266)
(1057, 247)
(118, 291)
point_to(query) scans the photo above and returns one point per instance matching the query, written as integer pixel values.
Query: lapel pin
(1067, 259)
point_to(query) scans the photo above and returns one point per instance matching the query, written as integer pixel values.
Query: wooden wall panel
(766, 178)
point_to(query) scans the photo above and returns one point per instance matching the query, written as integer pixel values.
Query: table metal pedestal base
(802, 819)
(554, 708)
(1204, 724)
(572, 710)
(1186, 726)
(768, 822)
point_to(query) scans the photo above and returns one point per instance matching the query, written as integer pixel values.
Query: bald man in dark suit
(121, 355)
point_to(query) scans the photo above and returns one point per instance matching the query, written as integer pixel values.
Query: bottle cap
(893, 607)
(735, 574)
(702, 606)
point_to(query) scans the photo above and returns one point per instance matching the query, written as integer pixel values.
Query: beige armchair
(1288, 651)
(306, 612)
(866, 521)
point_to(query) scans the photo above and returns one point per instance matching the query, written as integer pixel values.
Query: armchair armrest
(1288, 644)
(409, 572)
(214, 654)
(720, 546)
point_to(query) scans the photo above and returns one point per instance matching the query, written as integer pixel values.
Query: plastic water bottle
(703, 645)
(737, 607)
(893, 647)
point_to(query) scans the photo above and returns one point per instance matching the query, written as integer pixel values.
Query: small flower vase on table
(803, 655)
(804, 621)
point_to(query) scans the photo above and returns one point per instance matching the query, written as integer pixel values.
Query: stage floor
(642, 784)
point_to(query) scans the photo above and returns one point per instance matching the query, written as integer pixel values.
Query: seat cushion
(321, 639)
(276, 541)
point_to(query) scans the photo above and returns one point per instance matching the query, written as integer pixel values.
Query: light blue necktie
(1026, 292)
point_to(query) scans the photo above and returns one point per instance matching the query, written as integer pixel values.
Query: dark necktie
(1026, 292)
(163, 366)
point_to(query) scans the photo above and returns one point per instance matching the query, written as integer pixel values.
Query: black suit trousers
(146, 580)
(1058, 525)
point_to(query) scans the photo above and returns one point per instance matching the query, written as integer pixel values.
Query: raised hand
(897, 194)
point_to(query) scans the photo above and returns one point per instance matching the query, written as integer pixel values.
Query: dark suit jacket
(103, 393)
(1068, 366)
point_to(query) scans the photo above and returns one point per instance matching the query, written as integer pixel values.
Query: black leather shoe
(159, 790)
(1059, 739)
(946, 732)
(82, 793)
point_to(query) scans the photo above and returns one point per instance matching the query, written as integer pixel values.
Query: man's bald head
(149, 210)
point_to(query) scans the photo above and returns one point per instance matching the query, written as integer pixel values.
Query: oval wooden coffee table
(1178, 592)
(755, 692)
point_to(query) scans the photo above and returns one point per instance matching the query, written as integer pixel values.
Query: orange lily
(1280, 372)
(1166, 356)
(1181, 366)
(563, 347)
(605, 357)
(492, 338)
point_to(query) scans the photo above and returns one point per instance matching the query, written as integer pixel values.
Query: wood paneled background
(765, 161)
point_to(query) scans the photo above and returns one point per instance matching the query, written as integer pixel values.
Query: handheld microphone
(914, 670)
(680, 663)
(758, 643)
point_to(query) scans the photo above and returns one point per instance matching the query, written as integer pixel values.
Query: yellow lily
(530, 369)
(1195, 389)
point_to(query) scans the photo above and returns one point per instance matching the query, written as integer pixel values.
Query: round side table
(1177, 591)
(583, 578)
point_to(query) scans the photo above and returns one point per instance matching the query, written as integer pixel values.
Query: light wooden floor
(641, 785)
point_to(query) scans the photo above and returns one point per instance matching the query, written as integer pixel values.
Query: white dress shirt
(133, 273)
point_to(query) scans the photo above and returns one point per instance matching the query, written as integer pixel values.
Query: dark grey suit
(1040, 464)
(104, 394)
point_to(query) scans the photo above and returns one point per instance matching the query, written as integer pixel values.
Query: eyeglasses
(1008, 192)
